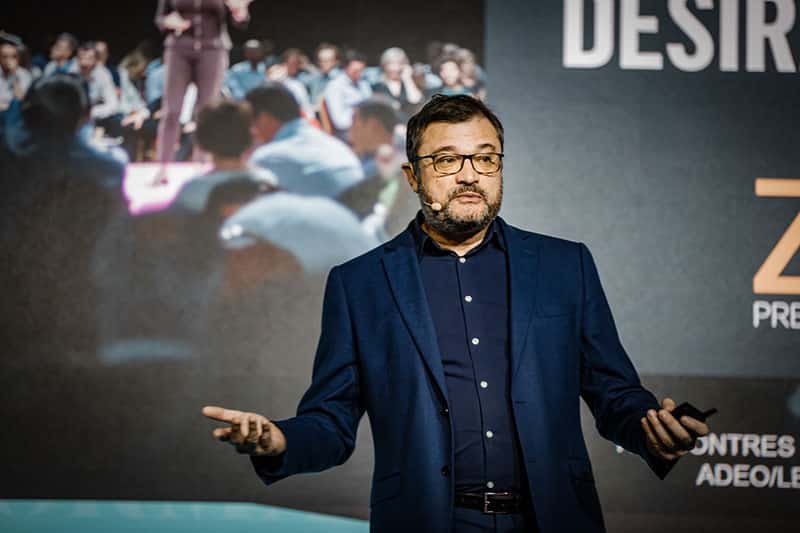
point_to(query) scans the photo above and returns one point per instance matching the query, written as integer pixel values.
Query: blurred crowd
(126, 96)
(304, 172)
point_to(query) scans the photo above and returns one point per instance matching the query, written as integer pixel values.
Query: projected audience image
(174, 145)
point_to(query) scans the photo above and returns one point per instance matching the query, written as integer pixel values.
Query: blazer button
(446, 470)
(444, 411)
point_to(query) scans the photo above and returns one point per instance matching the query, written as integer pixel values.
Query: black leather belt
(492, 502)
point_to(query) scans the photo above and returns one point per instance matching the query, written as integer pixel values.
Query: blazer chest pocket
(385, 488)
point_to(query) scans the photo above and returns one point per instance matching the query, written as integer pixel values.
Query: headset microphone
(436, 206)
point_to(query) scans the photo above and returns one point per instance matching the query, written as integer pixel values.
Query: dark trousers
(206, 68)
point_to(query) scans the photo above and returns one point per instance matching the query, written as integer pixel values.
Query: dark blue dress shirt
(468, 300)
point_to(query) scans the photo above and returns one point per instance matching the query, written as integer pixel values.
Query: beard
(447, 222)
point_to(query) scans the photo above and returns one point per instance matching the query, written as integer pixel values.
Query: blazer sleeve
(610, 384)
(323, 433)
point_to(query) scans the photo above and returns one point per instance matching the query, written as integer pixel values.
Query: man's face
(264, 127)
(101, 48)
(359, 133)
(253, 54)
(469, 200)
(87, 60)
(393, 69)
(293, 65)
(326, 59)
(9, 58)
(450, 73)
(61, 50)
(354, 70)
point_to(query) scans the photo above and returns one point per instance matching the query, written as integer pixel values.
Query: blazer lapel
(402, 270)
(522, 266)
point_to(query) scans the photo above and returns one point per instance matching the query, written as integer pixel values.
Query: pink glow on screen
(142, 192)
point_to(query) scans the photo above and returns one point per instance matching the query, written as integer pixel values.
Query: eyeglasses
(486, 163)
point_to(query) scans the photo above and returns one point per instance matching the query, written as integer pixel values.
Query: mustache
(461, 189)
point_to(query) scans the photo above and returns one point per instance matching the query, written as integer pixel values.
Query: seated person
(305, 159)
(472, 75)
(345, 91)
(134, 126)
(317, 233)
(14, 79)
(327, 68)
(175, 263)
(380, 199)
(103, 57)
(58, 195)
(397, 82)
(103, 99)
(249, 73)
(62, 55)
(223, 131)
(450, 74)
(288, 71)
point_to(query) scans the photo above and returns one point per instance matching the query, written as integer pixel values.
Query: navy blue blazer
(378, 353)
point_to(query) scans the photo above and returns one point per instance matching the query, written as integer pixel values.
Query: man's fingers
(254, 432)
(248, 432)
(220, 413)
(223, 434)
(661, 434)
(695, 425)
(676, 430)
(236, 433)
(668, 404)
(654, 444)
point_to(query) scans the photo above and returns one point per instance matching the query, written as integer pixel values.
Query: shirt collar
(289, 128)
(425, 244)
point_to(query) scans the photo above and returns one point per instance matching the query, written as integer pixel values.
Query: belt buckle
(487, 502)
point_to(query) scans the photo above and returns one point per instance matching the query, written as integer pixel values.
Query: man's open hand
(249, 433)
(667, 437)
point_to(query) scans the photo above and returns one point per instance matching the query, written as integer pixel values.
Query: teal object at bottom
(95, 516)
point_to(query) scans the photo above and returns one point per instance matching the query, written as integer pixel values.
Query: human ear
(411, 177)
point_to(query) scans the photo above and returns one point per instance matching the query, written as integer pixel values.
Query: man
(468, 342)
(345, 91)
(374, 122)
(327, 55)
(372, 139)
(306, 160)
(223, 132)
(14, 79)
(176, 251)
(289, 72)
(103, 97)
(61, 54)
(396, 81)
(58, 195)
(249, 73)
(103, 58)
(450, 74)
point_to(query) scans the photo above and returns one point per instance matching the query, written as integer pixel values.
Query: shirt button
(446, 470)
(490, 484)
(475, 340)
(467, 298)
(484, 384)
(489, 434)
(444, 411)
(462, 259)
